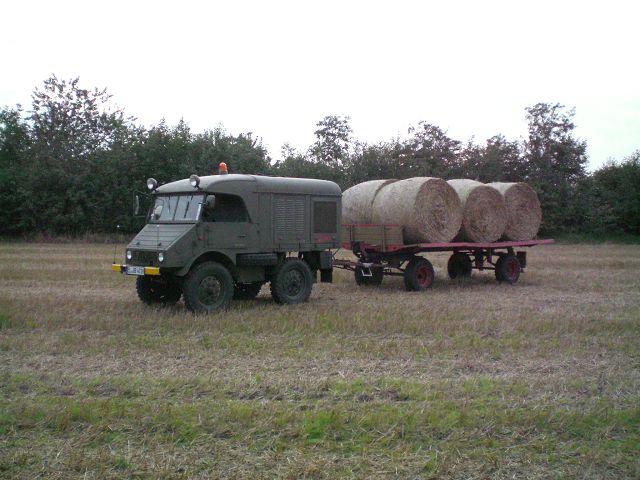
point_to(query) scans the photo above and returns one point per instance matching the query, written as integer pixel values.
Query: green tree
(14, 144)
(429, 151)
(499, 160)
(243, 153)
(333, 141)
(376, 161)
(609, 199)
(555, 161)
(71, 129)
(296, 164)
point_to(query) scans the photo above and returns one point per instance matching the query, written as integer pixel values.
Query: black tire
(246, 291)
(160, 290)
(374, 280)
(291, 282)
(208, 288)
(508, 269)
(498, 268)
(418, 275)
(459, 265)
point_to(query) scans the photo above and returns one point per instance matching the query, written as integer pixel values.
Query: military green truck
(215, 238)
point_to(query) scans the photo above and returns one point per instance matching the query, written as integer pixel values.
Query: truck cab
(214, 238)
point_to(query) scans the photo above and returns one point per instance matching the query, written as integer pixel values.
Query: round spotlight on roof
(194, 180)
(152, 184)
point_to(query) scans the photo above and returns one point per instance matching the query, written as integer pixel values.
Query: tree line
(71, 164)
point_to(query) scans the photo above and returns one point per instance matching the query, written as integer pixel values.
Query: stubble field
(471, 379)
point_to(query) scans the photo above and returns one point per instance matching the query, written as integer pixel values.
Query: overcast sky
(275, 68)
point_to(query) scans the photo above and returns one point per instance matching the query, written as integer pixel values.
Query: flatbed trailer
(380, 252)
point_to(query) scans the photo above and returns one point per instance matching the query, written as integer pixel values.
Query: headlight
(129, 255)
(161, 257)
(152, 184)
(194, 180)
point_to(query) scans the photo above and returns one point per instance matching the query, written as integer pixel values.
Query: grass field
(470, 380)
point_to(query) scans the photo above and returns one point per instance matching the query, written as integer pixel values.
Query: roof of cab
(212, 183)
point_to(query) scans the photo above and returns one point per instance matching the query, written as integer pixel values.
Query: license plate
(132, 270)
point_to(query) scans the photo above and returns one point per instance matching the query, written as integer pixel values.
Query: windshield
(177, 208)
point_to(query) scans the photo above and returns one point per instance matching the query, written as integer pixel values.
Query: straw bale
(523, 210)
(428, 209)
(484, 213)
(357, 201)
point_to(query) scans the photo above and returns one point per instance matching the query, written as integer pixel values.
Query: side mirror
(140, 203)
(157, 212)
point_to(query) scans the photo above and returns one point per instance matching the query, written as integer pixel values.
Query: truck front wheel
(160, 290)
(208, 288)
(292, 282)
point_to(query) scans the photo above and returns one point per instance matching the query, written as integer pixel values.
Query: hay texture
(428, 209)
(484, 213)
(357, 201)
(523, 210)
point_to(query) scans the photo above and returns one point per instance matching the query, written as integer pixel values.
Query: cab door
(228, 226)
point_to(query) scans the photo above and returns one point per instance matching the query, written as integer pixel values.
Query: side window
(324, 217)
(228, 208)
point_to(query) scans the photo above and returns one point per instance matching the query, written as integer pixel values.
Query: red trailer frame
(376, 260)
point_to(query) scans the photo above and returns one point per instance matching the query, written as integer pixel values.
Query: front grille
(144, 258)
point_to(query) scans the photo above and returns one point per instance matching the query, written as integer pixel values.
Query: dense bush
(608, 201)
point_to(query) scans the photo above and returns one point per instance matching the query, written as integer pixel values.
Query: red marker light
(222, 169)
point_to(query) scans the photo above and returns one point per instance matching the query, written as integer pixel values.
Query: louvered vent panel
(289, 218)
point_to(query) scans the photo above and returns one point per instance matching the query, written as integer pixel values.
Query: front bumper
(123, 269)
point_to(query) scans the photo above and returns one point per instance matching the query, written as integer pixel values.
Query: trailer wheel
(418, 275)
(208, 288)
(247, 291)
(459, 265)
(374, 280)
(291, 282)
(162, 290)
(508, 269)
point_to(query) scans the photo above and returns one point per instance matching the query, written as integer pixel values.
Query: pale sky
(275, 68)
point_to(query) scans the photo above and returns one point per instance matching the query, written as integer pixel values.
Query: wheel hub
(209, 290)
(293, 283)
(512, 270)
(423, 275)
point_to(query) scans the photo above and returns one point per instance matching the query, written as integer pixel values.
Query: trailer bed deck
(380, 251)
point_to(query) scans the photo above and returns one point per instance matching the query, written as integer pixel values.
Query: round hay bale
(428, 209)
(523, 210)
(357, 201)
(484, 215)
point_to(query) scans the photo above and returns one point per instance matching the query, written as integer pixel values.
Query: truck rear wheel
(247, 291)
(208, 288)
(459, 265)
(418, 275)
(291, 282)
(162, 290)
